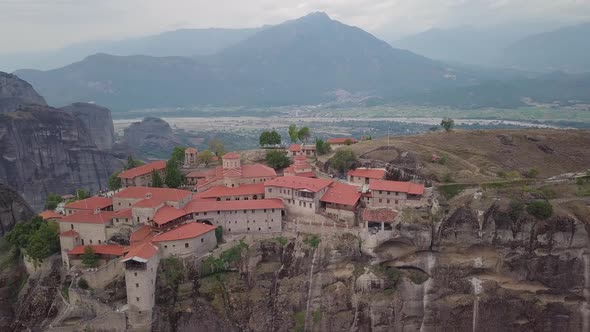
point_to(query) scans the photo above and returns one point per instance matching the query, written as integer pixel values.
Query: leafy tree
(532, 173)
(270, 138)
(44, 242)
(89, 258)
(348, 141)
(217, 147)
(344, 159)
(20, 234)
(277, 159)
(219, 234)
(206, 157)
(174, 178)
(132, 163)
(115, 181)
(303, 134)
(447, 124)
(173, 272)
(322, 147)
(540, 209)
(293, 133)
(157, 181)
(82, 194)
(52, 201)
(178, 155)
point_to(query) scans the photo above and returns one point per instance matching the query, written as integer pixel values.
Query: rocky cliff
(152, 137)
(15, 92)
(472, 270)
(98, 120)
(13, 208)
(46, 150)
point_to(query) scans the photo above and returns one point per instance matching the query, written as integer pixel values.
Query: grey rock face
(151, 137)
(13, 209)
(15, 92)
(45, 150)
(98, 120)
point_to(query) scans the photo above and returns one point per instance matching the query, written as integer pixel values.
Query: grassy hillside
(486, 155)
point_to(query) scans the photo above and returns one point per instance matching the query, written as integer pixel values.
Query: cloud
(46, 24)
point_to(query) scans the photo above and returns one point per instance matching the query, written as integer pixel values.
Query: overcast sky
(27, 25)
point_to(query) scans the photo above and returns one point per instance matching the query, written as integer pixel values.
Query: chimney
(148, 195)
(96, 211)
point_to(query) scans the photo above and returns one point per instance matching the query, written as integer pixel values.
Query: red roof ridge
(184, 231)
(100, 249)
(91, 203)
(142, 170)
(141, 252)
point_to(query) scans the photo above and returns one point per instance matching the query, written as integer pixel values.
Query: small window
(245, 211)
(90, 241)
(264, 210)
(259, 229)
(135, 274)
(99, 242)
(173, 246)
(388, 201)
(186, 245)
(205, 213)
(137, 299)
(82, 241)
(245, 198)
(248, 229)
(136, 285)
(253, 211)
(273, 210)
(380, 200)
(218, 212)
(165, 246)
(202, 240)
(72, 225)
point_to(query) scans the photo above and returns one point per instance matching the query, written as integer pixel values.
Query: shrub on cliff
(540, 209)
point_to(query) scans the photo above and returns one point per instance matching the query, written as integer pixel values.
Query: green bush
(540, 209)
(343, 160)
(219, 234)
(277, 159)
(448, 178)
(451, 190)
(312, 241)
(532, 173)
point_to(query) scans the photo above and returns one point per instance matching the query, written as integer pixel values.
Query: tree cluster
(277, 159)
(217, 147)
(269, 138)
(447, 124)
(205, 157)
(39, 239)
(540, 209)
(174, 178)
(52, 201)
(343, 160)
(322, 147)
(89, 258)
(302, 134)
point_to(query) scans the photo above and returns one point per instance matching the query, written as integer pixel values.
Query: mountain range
(532, 48)
(309, 60)
(302, 61)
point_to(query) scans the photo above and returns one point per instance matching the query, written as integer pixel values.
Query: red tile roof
(125, 213)
(231, 155)
(340, 193)
(143, 169)
(186, 231)
(89, 217)
(242, 190)
(379, 215)
(367, 173)
(91, 203)
(295, 148)
(69, 233)
(397, 186)
(141, 234)
(48, 214)
(197, 205)
(141, 252)
(258, 171)
(293, 171)
(161, 194)
(201, 174)
(167, 214)
(341, 140)
(148, 203)
(99, 249)
(298, 182)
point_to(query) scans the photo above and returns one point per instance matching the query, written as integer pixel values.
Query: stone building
(393, 194)
(300, 168)
(341, 202)
(50, 215)
(337, 143)
(192, 239)
(89, 204)
(301, 195)
(294, 150)
(233, 174)
(191, 157)
(141, 269)
(308, 150)
(244, 192)
(362, 176)
(376, 220)
(141, 176)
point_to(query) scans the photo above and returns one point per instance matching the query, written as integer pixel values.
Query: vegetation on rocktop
(270, 138)
(89, 258)
(322, 147)
(225, 262)
(37, 238)
(174, 178)
(277, 159)
(540, 209)
(302, 134)
(52, 201)
(344, 159)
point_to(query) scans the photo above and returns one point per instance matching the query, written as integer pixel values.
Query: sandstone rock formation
(15, 92)
(13, 209)
(152, 137)
(46, 150)
(98, 120)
